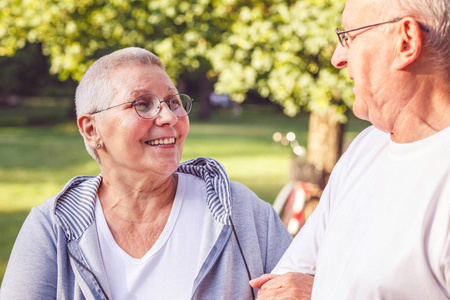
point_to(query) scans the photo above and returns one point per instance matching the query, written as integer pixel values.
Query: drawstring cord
(242, 254)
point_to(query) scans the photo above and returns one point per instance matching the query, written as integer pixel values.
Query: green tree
(283, 49)
(74, 33)
(280, 48)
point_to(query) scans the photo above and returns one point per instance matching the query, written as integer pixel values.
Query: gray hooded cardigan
(57, 255)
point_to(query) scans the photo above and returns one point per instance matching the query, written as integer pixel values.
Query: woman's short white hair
(95, 90)
(434, 15)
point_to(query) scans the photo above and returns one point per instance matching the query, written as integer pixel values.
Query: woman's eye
(175, 101)
(141, 103)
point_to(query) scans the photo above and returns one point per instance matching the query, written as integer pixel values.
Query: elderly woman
(146, 227)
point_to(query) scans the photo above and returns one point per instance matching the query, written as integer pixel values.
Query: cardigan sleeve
(32, 268)
(264, 237)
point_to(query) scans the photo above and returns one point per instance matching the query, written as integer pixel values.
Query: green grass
(36, 161)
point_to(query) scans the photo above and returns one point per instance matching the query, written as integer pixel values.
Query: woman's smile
(162, 142)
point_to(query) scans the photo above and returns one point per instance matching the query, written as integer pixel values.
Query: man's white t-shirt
(382, 228)
(169, 268)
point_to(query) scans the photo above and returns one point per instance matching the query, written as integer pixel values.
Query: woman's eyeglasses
(148, 106)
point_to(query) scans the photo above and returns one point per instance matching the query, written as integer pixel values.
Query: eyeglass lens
(343, 38)
(148, 106)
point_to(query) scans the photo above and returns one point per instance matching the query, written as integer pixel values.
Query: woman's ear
(89, 129)
(409, 43)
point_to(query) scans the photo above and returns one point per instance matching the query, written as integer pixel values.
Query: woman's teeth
(166, 141)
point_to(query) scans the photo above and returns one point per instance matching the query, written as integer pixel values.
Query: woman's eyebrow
(138, 92)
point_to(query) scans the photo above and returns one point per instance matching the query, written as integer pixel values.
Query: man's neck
(426, 113)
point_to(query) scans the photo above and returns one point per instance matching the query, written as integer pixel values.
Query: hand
(296, 286)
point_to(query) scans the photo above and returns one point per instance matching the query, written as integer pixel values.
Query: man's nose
(339, 58)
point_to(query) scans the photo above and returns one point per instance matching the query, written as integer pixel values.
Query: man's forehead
(359, 12)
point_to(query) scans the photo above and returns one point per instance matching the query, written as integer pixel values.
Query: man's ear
(409, 43)
(88, 128)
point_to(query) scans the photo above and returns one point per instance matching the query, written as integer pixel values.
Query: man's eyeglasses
(148, 106)
(345, 39)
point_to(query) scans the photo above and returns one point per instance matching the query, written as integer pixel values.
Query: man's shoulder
(368, 139)
(370, 133)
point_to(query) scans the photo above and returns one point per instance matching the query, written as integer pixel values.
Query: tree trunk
(325, 139)
(206, 88)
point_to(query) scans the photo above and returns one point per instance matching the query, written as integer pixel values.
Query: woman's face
(129, 140)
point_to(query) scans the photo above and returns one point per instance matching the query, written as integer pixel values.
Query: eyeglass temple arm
(367, 26)
(96, 112)
(339, 32)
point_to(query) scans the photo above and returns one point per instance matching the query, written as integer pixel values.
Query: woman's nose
(166, 115)
(339, 58)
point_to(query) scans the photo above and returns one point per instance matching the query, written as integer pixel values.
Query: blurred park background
(269, 62)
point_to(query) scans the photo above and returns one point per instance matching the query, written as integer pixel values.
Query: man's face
(368, 59)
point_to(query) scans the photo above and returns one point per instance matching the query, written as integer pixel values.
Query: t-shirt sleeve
(301, 256)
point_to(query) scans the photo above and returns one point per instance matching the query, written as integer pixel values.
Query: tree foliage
(281, 49)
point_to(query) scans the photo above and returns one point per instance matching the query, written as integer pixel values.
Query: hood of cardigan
(218, 191)
(75, 204)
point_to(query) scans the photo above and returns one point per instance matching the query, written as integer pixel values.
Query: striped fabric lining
(75, 208)
(218, 195)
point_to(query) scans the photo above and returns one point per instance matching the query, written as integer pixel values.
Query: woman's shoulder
(51, 210)
(249, 211)
(239, 188)
(243, 196)
(77, 184)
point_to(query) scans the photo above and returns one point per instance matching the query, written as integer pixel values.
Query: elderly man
(381, 230)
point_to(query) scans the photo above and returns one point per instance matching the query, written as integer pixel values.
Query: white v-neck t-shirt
(169, 268)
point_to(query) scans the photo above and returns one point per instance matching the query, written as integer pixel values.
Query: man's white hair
(434, 15)
(95, 91)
